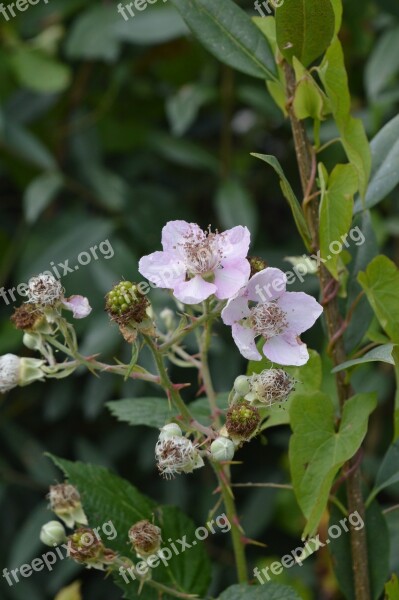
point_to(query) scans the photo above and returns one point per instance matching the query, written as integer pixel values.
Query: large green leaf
(380, 282)
(336, 210)
(40, 193)
(335, 80)
(395, 355)
(318, 450)
(378, 551)
(39, 72)
(270, 591)
(304, 28)
(293, 202)
(385, 165)
(230, 35)
(388, 473)
(380, 71)
(107, 497)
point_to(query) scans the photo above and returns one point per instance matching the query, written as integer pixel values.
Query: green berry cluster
(242, 420)
(125, 303)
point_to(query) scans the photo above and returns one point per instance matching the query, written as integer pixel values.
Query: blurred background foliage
(108, 129)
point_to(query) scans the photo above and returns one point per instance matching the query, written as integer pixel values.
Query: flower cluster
(44, 291)
(197, 265)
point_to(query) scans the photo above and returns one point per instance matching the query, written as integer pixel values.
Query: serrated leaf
(290, 196)
(269, 591)
(106, 497)
(380, 282)
(304, 28)
(317, 450)
(335, 80)
(336, 210)
(229, 34)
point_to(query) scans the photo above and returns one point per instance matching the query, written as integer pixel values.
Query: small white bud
(53, 533)
(241, 385)
(169, 431)
(222, 449)
(16, 371)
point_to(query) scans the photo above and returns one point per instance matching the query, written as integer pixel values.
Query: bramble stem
(205, 342)
(305, 158)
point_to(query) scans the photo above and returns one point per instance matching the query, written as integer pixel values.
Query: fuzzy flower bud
(146, 538)
(241, 385)
(44, 290)
(177, 455)
(222, 449)
(242, 420)
(169, 431)
(65, 503)
(16, 371)
(270, 387)
(53, 533)
(85, 548)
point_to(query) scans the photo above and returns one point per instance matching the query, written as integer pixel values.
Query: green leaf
(151, 26)
(290, 196)
(388, 473)
(336, 210)
(156, 412)
(385, 165)
(380, 71)
(269, 591)
(317, 450)
(39, 72)
(235, 206)
(25, 145)
(380, 354)
(229, 34)
(106, 497)
(92, 35)
(304, 28)
(182, 108)
(395, 355)
(40, 193)
(335, 80)
(380, 282)
(377, 546)
(392, 588)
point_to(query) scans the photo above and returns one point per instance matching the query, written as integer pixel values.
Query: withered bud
(146, 538)
(257, 264)
(66, 504)
(26, 317)
(85, 548)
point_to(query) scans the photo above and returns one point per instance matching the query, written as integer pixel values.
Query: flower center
(203, 253)
(268, 320)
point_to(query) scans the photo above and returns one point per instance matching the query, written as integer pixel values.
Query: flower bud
(242, 420)
(241, 385)
(177, 455)
(44, 290)
(65, 503)
(222, 449)
(169, 431)
(53, 533)
(85, 548)
(16, 371)
(146, 538)
(270, 387)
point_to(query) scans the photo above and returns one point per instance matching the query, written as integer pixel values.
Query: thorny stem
(196, 322)
(305, 158)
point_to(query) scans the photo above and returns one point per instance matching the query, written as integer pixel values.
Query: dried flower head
(44, 290)
(85, 548)
(242, 420)
(270, 387)
(146, 538)
(66, 504)
(26, 317)
(177, 455)
(125, 304)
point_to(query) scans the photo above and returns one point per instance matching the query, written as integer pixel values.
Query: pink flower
(264, 308)
(196, 264)
(79, 305)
